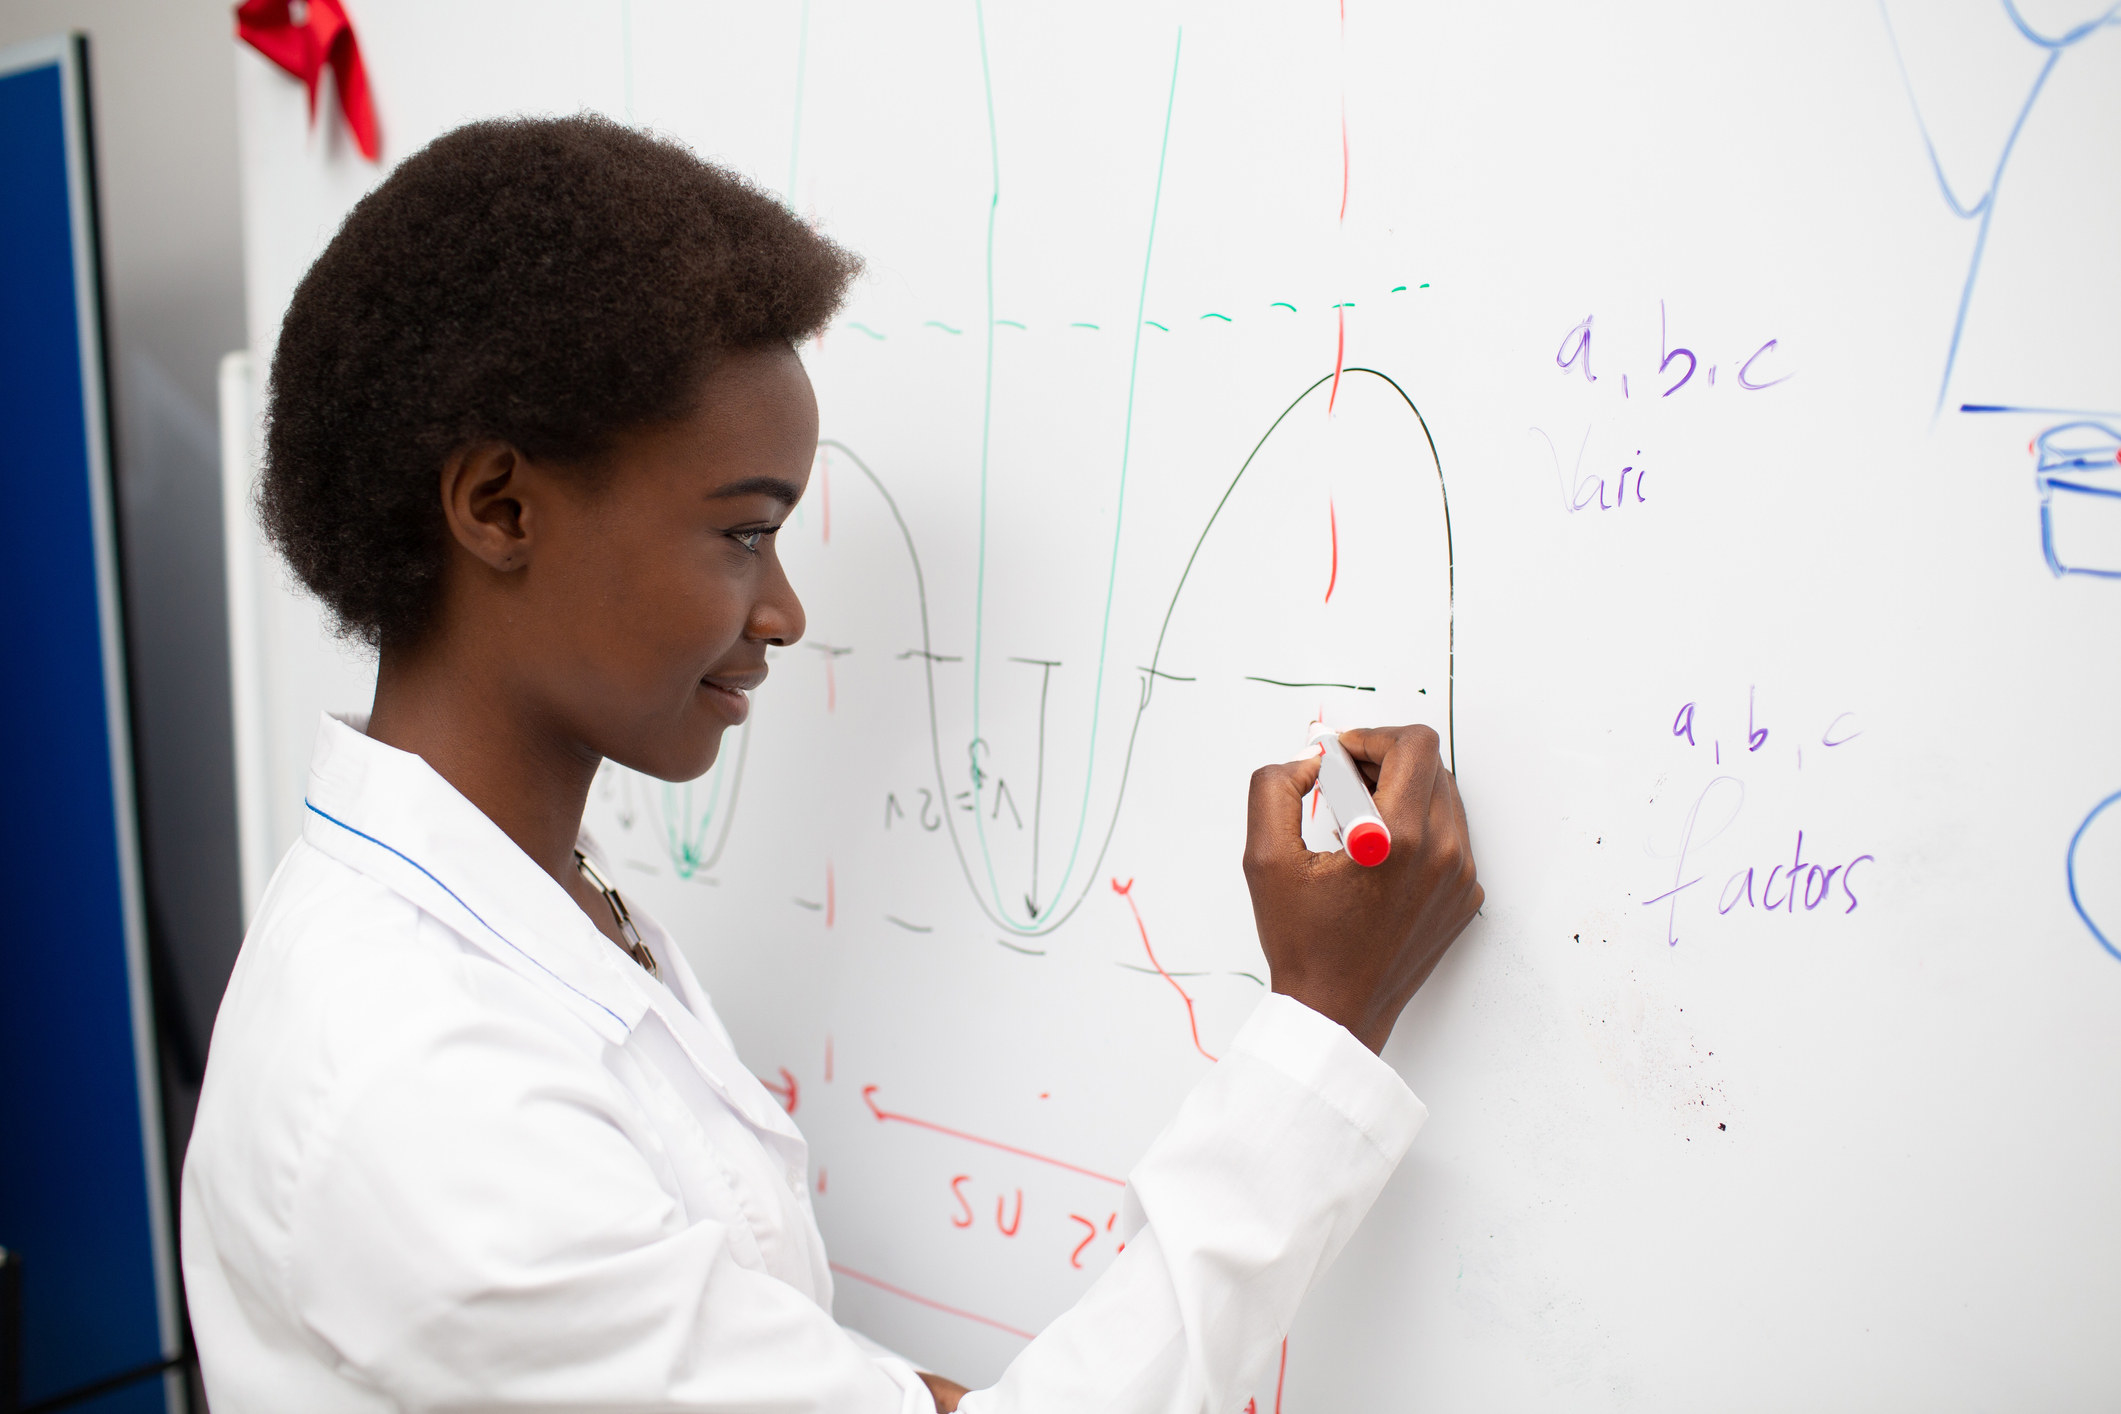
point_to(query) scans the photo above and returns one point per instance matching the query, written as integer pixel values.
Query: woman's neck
(464, 718)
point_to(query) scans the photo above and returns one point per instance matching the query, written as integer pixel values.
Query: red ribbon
(302, 38)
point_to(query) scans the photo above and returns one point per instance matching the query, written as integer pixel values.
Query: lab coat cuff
(917, 1397)
(1325, 1058)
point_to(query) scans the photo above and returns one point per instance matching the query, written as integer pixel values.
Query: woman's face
(658, 589)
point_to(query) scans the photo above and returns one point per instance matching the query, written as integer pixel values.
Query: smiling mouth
(735, 684)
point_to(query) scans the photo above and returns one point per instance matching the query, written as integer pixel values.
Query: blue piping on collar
(472, 911)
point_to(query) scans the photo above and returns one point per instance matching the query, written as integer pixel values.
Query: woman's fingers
(1274, 825)
(1406, 760)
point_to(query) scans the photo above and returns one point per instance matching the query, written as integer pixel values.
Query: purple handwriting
(1589, 490)
(1689, 725)
(1678, 365)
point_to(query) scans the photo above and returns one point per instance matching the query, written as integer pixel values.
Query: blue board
(83, 1193)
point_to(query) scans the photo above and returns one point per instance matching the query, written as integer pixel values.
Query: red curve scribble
(929, 1302)
(786, 1092)
(1340, 356)
(1333, 529)
(882, 1114)
(1126, 891)
(1075, 1258)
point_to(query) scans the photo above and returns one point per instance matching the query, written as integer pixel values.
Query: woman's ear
(481, 500)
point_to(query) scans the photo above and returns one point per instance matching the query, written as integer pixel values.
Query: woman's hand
(947, 1392)
(1354, 943)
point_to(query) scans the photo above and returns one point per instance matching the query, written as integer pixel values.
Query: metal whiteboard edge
(240, 549)
(69, 53)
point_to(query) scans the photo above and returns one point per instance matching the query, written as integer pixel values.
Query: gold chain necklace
(633, 947)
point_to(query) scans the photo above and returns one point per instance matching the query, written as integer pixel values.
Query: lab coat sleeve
(1234, 1212)
(480, 1225)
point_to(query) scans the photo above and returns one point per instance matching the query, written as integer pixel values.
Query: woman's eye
(750, 539)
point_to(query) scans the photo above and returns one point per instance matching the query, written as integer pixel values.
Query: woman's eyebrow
(786, 492)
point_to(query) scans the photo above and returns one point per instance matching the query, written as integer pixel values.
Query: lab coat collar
(390, 815)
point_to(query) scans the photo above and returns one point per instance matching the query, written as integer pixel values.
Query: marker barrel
(1363, 832)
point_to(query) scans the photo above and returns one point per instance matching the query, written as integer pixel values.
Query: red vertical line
(1126, 892)
(1317, 792)
(832, 691)
(828, 1060)
(1340, 354)
(1343, 155)
(821, 1180)
(828, 894)
(1283, 1376)
(1333, 528)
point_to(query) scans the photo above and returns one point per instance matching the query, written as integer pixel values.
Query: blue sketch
(1983, 210)
(2076, 899)
(2079, 476)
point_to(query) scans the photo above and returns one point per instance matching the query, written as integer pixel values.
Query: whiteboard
(1601, 389)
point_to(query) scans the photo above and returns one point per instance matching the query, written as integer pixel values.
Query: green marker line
(1212, 315)
(1283, 304)
(866, 330)
(1080, 325)
(1154, 325)
(1397, 288)
(939, 324)
(1010, 323)
(1425, 284)
(986, 445)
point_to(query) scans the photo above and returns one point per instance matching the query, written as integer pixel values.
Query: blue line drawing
(2079, 475)
(1983, 210)
(2076, 900)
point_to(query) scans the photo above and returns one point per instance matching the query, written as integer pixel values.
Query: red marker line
(1344, 157)
(929, 1302)
(830, 901)
(1340, 357)
(787, 1092)
(1126, 892)
(1283, 1376)
(882, 1114)
(1333, 528)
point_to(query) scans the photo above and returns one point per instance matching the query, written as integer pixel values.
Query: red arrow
(883, 1115)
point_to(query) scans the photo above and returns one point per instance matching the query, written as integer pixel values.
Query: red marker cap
(1368, 843)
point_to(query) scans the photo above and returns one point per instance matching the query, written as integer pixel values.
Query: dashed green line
(1397, 288)
(939, 324)
(1009, 323)
(1211, 314)
(866, 330)
(1154, 325)
(1079, 324)
(1283, 304)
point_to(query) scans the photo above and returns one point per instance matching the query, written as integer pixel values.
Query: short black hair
(550, 283)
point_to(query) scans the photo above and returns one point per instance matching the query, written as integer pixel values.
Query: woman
(471, 1135)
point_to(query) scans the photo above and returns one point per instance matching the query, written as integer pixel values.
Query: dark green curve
(1055, 919)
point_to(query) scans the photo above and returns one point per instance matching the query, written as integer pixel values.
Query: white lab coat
(456, 1151)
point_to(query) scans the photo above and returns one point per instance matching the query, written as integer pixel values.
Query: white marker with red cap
(1363, 832)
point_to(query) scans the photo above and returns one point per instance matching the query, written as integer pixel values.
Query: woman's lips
(731, 693)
